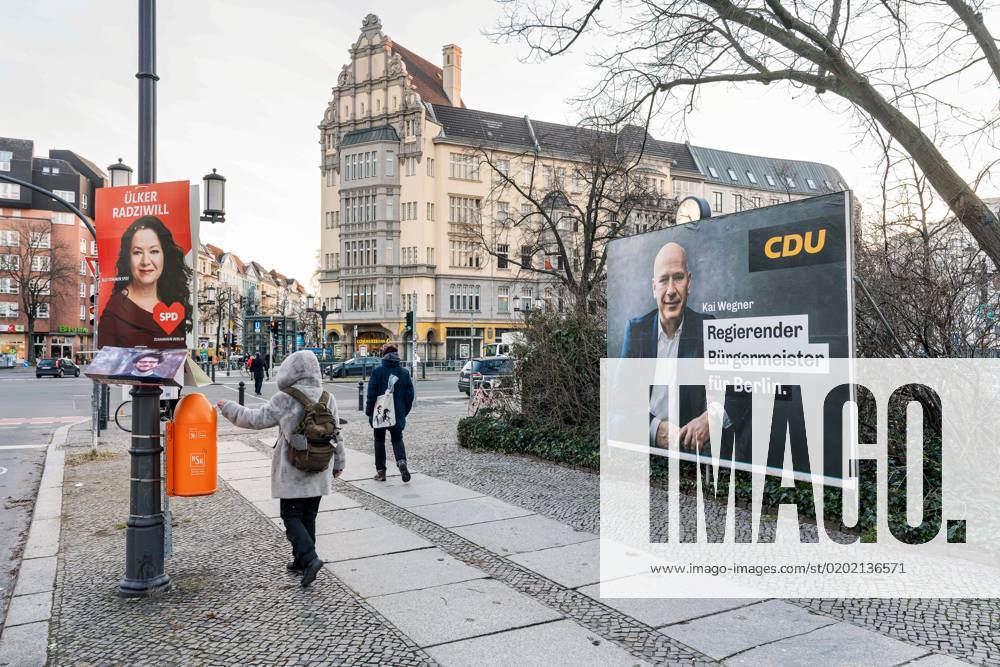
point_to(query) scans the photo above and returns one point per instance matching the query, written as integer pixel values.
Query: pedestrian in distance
(402, 400)
(299, 491)
(257, 370)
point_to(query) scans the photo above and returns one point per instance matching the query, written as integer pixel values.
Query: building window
(62, 218)
(9, 309)
(42, 240)
(430, 167)
(10, 191)
(388, 300)
(390, 163)
(42, 311)
(83, 313)
(547, 177)
(770, 180)
(463, 210)
(526, 175)
(40, 263)
(732, 174)
(503, 166)
(717, 204)
(68, 195)
(8, 286)
(411, 166)
(83, 267)
(430, 255)
(390, 209)
(713, 172)
(463, 297)
(526, 256)
(503, 251)
(790, 181)
(811, 183)
(5, 159)
(465, 254)
(756, 201)
(737, 203)
(83, 290)
(83, 200)
(526, 293)
(775, 202)
(430, 211)
(751, 177)
(83, 246)
(503, 299)
(430, 303)
(464, 167)
(10, 237)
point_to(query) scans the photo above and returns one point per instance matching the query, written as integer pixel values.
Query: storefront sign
(143, 236)
(73, 330)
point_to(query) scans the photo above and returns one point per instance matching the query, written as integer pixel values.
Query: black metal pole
(144, 573)
(242, 391)
(144, 532)
(361, 396)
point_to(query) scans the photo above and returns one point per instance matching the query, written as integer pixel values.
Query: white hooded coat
(299, 370)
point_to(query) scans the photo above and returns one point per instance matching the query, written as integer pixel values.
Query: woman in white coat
(300, 492)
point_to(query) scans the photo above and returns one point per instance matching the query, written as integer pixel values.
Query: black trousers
(299, 515)
(396, 435)
(258, 381)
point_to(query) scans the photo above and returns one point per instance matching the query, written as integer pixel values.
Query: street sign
(92, 265)
(464, 349)
(363, 350)
(256, 326)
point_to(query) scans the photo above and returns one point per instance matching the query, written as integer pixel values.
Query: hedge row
(574, 447)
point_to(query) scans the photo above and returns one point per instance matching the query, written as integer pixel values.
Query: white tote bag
(384, 415)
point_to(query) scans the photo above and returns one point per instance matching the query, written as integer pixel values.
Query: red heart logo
(168, 318)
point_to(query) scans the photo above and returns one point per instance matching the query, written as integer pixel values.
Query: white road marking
(2, 470)
(247, 394)
(23, 446)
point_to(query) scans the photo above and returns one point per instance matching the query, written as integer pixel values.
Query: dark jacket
(641, 334)
(257, 367)
(402, 393)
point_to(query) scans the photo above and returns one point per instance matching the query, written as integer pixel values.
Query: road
(31, 409)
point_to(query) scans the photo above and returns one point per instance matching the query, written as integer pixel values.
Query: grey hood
(299, 368)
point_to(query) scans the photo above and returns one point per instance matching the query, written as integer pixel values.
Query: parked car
(56, 368)
(355, 366)
(484, 368)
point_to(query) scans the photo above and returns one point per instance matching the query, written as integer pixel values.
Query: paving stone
(936, 660)
(840, 644)
(246, 473)
(36, 575)
(367, 542)
(420, 490)
(528, 533)
(458, 611)
(253, 489)
(348, 519)
(730, 632)
(657, 612)
(333, 501)
(241, 457)
(25, 645)
(43, 538)
(29, 609)
(572, 565)
(546, 645)
(394, 573)
(466, 512)
(233, 447)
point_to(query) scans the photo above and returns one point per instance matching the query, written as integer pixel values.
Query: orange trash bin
(192, 456)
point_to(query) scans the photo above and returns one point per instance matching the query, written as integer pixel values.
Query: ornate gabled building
(401, 184)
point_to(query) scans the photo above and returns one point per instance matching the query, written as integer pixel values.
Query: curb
(24, 639)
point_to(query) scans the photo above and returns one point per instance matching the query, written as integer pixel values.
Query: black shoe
(310, 572)
(403, 470)
(379, 476)
(292, 566)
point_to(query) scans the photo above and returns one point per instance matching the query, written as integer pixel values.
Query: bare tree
(901, 65)
(926, 276)
(217, 313)
(553, 218)
(33, 267)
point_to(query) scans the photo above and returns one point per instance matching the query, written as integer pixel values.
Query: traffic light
(93, 309)
(409, 322)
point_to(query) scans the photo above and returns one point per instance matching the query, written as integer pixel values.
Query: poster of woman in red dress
(143, 235)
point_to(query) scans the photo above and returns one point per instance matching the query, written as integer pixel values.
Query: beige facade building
(403, 180)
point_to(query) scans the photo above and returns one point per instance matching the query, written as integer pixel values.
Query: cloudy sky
(244, 84)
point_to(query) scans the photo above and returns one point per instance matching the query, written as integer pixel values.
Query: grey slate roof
(488, 127)
(824, 177)
(379, 133)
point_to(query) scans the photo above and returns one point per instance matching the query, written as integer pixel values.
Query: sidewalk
(427, 572)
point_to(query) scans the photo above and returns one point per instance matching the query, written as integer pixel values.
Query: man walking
(257, 370)
(402, 400)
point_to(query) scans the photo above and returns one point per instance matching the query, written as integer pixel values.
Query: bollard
(423, 370)
(361, 397)
(213, 373)
(243, 389)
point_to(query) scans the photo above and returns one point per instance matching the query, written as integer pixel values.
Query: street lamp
(120, 174)
(323, 313)
(215, 198)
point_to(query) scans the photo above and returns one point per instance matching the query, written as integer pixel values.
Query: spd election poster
(143, 240)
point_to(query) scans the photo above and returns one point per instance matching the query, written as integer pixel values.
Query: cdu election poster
(143, 240)
(765, 290)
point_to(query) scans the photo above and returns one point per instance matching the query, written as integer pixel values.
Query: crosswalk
(40, 421)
